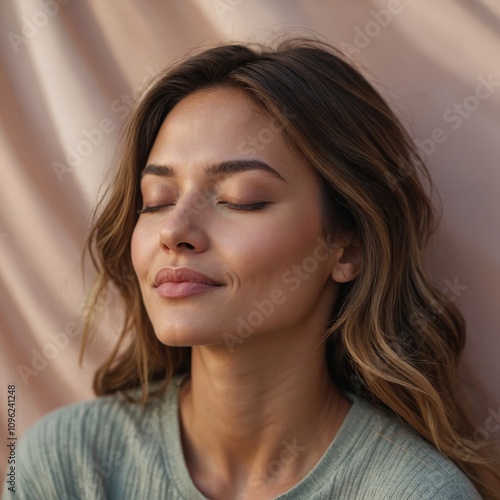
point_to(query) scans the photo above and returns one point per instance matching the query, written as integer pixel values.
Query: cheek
(267, 250)
(140, 249)
(294, 237)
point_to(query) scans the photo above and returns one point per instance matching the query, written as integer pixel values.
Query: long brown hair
(393, 337)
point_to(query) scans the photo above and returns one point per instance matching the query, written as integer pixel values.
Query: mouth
(170, 290)
(182, 282)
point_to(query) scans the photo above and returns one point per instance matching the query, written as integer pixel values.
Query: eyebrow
(223, 168)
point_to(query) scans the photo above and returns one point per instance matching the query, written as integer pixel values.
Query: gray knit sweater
(109, 448)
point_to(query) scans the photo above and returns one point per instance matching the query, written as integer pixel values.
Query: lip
(173, 282)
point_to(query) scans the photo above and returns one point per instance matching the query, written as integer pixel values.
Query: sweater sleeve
(47, 466)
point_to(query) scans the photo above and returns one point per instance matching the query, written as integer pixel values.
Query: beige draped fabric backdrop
(69, 71)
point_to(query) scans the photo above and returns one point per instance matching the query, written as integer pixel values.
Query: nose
(183, 229)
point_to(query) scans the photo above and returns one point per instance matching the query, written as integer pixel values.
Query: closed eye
(154, 208)
(246, 206)
(232, 206)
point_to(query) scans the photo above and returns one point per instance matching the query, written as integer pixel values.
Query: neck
(266, 401)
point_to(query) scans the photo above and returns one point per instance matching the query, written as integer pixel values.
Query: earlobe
(348, 265)
(343, 273)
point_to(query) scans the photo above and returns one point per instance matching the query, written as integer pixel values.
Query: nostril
(183, 243)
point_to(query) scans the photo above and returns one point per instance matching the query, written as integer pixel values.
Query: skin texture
(251, 388)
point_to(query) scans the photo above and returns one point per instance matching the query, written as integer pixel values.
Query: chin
(184, 338)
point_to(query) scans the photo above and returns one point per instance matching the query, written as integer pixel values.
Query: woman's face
(230, 201)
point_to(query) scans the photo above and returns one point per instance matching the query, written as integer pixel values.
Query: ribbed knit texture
(111, 449)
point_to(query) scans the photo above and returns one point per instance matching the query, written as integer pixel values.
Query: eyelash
(246, 206)
(233, 206)
(152, 209)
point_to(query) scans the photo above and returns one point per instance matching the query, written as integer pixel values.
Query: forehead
(230, 104)
(214, 125)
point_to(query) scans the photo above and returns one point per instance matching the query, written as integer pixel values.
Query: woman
(265, 230)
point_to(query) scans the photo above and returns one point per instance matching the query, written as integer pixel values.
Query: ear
(350, 257)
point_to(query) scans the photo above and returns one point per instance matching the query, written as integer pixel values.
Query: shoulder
(396, 462)
(101, 420)
(76, 449)
(81, 425)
